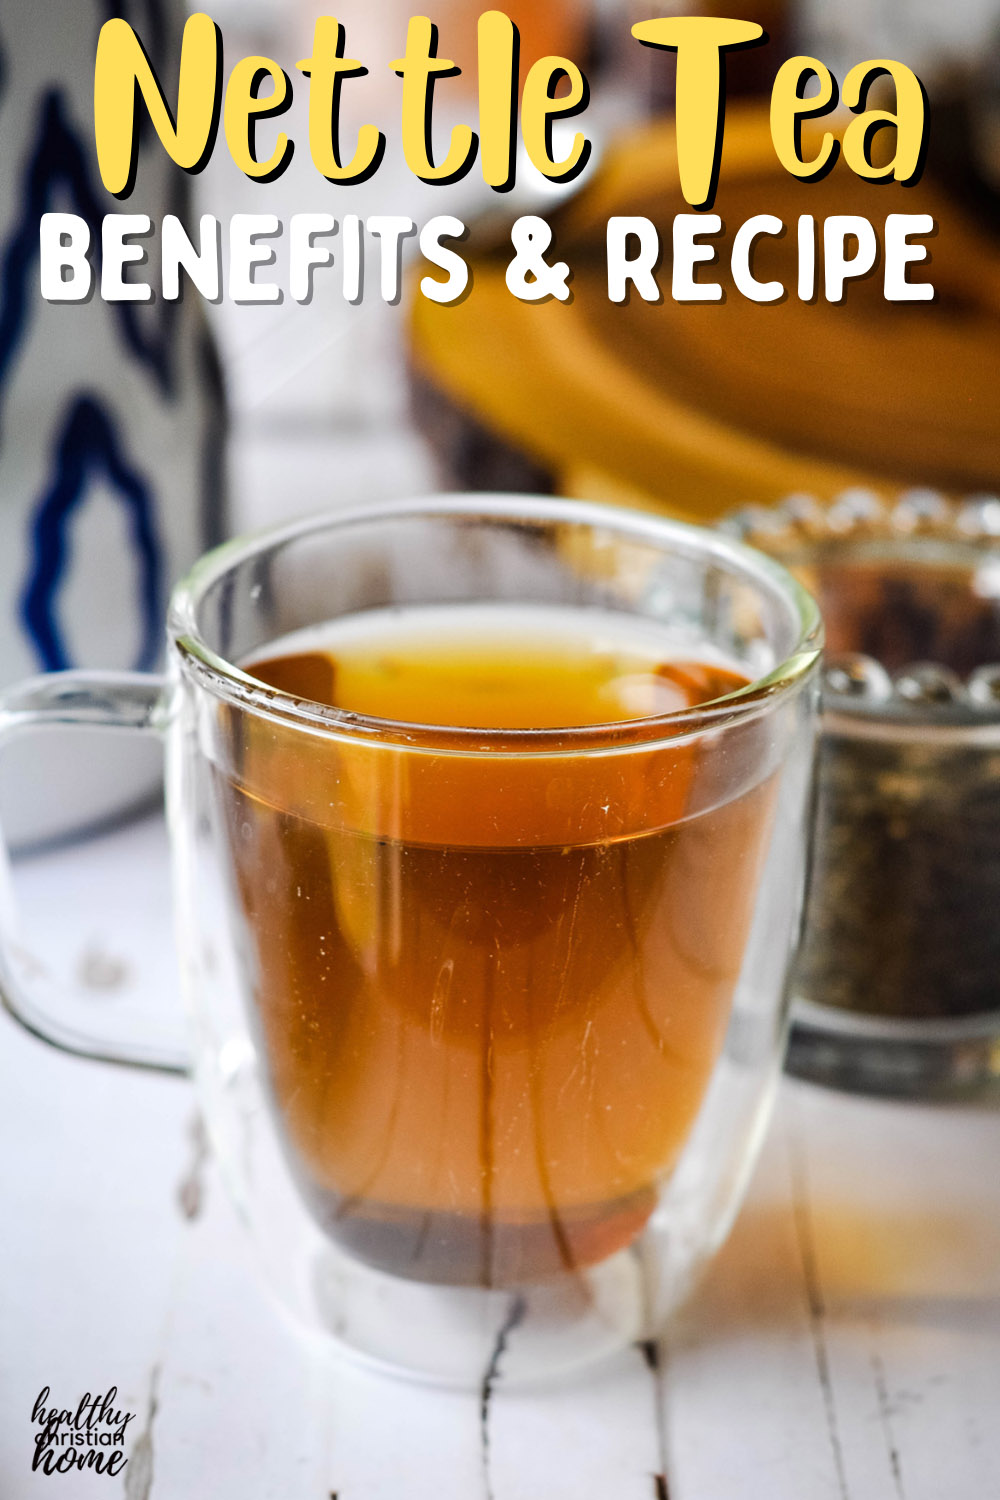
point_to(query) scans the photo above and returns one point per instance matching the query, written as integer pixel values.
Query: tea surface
(496, 667)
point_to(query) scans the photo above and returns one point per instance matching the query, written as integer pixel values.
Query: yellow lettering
(789, 108)
(499, 56)
(327, 70)
(909, 120)
(122, 69)
(420, 70)
(700, 42)
(244, 107)
(539, 107)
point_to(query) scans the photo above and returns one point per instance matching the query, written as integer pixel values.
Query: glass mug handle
(128, 701)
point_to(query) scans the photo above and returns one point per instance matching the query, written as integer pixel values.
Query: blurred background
(739, 403)
(133, 436)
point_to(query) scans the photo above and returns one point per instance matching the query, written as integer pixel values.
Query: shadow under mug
(485, 1023)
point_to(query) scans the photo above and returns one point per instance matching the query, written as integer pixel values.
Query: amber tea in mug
(489, 1020)
(488, 825)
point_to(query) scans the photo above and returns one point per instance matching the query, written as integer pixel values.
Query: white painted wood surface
(846, 1342)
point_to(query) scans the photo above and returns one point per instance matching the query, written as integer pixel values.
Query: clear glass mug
(485, 1024)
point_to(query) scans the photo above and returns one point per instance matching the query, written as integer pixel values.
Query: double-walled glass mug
(486, 1017)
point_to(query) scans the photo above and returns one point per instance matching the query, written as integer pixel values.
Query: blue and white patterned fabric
(111, 415)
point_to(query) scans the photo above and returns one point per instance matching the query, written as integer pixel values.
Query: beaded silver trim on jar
(858, 683)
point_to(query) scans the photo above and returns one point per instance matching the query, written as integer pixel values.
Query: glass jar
(898, 981)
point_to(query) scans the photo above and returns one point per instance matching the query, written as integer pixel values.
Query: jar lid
(910, 593)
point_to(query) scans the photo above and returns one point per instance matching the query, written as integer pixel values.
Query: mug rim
(243, 690)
